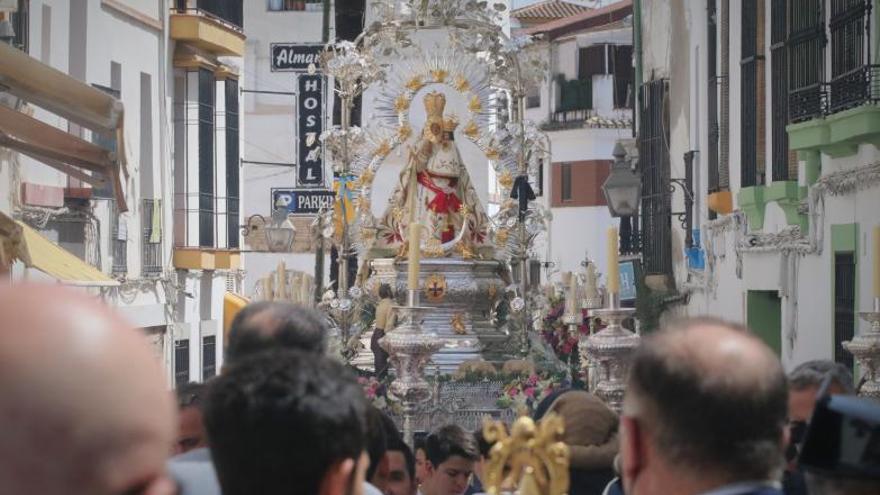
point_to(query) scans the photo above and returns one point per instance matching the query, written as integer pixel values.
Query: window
(209, 357)
(181, 362)
(578, 184)
(712, 97)
(591, 61)
(779, 67)
(284, 5)
(622, 68)
(566, 182)
(844, 305)
(655, 168)
(46, 40)
(229, 11)
(539, 180)
(749, 117)
(108, 141)
(118, 240)
(206, 158)
(151, 241)
(533, 97)
(851, 74)
(806, 59)
(232, 163)
(146, 138)
(20, 24)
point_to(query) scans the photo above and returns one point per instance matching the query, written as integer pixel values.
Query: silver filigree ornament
(517, 304)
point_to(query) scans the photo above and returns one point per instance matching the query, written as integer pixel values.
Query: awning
(68, 97)
(61, 94)
(35, 251)
(232, 304)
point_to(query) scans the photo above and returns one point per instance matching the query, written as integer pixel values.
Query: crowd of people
(708, 410)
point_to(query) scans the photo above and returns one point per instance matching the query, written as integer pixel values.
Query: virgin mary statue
(435, 190)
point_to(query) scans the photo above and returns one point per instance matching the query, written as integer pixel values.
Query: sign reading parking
(303, 201)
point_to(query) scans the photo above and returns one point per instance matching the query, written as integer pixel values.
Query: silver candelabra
(410, 348)
(866, 349)
(610, 349)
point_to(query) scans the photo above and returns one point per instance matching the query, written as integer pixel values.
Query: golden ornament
(435, 287)
(533, 457)
(501, 235)
(471, 130)
(462, 84)
(505, 179)
(474, 105)
(404, 131)
(367, 177)
(439, 75)
(401, 103)
(492, 154)
(415, 83)
(384, 148)
(457, 324)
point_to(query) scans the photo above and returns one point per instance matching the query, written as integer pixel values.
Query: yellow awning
(232, 304)
(35, 251)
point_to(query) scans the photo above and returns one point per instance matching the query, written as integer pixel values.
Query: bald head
(713, 396)
(85, 408)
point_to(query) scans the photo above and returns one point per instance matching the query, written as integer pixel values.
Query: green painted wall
(764, 315)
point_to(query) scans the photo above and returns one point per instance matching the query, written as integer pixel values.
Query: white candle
(613, 267)
(414, 253)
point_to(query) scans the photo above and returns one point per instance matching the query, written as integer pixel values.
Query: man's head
(385, 292)
(85, 407)
(804, 382)
(451, 453)
(421, 458)
(265, 325)
(401, 469)
(381, 432)
(191, 430)
(705, 406)
(287, 422)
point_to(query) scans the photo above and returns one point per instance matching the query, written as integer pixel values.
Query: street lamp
(623, 188)
(280, 233)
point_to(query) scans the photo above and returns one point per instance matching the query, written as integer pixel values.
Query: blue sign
(303, 201)
(628, 280)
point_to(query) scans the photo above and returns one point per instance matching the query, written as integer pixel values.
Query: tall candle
(591, 291)
(877, 261)
(571, 294)
(613, 267)
(414, 253)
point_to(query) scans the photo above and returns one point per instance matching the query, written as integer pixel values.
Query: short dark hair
(811, 374)
(190, 395)
(385, 291)
(705, 419)
(482, 444)
(448, 441)
(398, 445)
(381, 432)
(278, 420)
(267, 325)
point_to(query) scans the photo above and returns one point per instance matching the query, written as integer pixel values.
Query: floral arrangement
(529, 391)
(376, 392)
(560, 338)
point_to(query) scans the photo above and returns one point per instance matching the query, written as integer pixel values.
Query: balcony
(151, 241)
(206, 233)
(807, 103)
(212, 25)
(855, 88)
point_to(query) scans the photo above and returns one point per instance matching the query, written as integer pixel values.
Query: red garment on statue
(443, 202)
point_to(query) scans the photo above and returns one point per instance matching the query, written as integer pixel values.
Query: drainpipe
(724, 125)
(637, 48)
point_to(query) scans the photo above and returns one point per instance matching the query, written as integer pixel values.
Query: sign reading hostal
(310, 124)
(288, 57)
(303, 201)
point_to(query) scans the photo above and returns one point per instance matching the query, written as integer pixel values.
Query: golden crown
(435, 103)
(449, 124)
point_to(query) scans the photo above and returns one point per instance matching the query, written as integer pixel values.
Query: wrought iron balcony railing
(808, 102)
(229, 12)
(151, 241)
(854, 88)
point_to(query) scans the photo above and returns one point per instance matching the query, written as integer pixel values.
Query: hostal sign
(310, 123)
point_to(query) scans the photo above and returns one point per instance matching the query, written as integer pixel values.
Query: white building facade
(774, 100)
(137, 51)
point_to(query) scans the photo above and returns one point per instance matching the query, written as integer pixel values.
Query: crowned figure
(435, 190)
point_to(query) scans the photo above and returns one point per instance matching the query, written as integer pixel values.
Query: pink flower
(512, 392)
(533, 380)
(530, 392)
